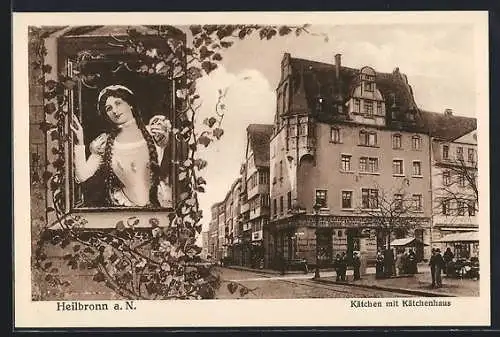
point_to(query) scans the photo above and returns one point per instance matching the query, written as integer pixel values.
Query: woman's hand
(98, 145)
(159, 127)
(77, 129)
(164, 194)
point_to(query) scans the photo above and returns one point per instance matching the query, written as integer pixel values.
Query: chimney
(448, 112)
(337, 65)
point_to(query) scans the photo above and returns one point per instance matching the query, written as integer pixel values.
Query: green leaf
(284, 30)
(226, 44)
(208, 66)
(47, 265)
(76, 248)
(244, 291)
(195, 29)
(120, 226)
(204, 140)
(50, 108)
(218, 132)
(232, 287)
(99, 277)
(47, 68)
(217, 57)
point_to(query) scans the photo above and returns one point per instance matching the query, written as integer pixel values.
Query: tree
(157, 263)
(457, 192)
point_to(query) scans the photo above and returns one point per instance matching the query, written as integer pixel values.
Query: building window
(368, 108)
(281, 170)
(397, 166)
(445, 207)
(379, 108)
(470, 155)
(289, 199)
(367, 138)
(335, 135)
(446, 151)
(461, 180)
(368, 164)
(357, 105)
(303, 129)
(275, 206)
(396, 141)
(263, 178)
(446, 178)
(398, 202)
(281, 204)
(346, 199)
(417, 202)
(460, 153)
(363, 164)
(417, 168)
(321, 198)
(369, 86)
(369, 198)
(285, 98)
(416, 143)
(471, 207)
(264, 200)
(346, 162)
(461, 208)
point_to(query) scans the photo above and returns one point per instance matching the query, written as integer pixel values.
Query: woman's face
(118, 110)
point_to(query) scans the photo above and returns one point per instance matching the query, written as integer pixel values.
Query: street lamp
(316, 209)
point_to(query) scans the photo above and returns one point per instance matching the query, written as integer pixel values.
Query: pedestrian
(440, 265)
(388, 262)
(448, 258)
(399, 262)
(356, 264)
(379, 267)
(338, 267)
(437, 264)
(343, 268)
(412, 262)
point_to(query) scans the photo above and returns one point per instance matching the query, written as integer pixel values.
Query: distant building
(454, 181)
(204, 245)
(255, 196)
(213, 232)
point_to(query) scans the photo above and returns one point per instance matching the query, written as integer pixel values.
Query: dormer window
(369, 86)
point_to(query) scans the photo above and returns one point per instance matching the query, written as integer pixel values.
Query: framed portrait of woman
(120, 152)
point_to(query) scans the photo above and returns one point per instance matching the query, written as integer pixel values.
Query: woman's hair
(111, 180)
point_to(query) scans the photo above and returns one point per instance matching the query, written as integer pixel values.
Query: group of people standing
(402, 263)
(341, 262)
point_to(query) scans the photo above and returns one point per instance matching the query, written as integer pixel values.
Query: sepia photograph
(277, 159)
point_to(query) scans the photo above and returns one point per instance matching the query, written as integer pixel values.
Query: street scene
(352, 172)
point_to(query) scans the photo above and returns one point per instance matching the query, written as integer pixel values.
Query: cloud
(249, 99)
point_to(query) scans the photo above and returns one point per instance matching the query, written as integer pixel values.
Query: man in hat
(437, 264)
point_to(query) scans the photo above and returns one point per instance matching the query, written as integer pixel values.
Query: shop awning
(460, 237)
(405, 242)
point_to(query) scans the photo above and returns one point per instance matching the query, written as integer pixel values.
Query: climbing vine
(144, 261)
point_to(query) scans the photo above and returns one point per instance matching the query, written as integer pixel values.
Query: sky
(437, 59)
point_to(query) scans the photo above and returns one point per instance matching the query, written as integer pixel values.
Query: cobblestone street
(292, 286)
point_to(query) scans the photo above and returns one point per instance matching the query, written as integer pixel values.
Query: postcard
(251, 169)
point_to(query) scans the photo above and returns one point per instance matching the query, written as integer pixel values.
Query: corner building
(345, 140)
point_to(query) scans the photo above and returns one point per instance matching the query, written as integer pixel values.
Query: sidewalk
(419, 284)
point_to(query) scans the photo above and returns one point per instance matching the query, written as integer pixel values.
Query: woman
(128, 155)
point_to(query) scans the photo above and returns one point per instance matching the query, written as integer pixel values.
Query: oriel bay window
(321, 198)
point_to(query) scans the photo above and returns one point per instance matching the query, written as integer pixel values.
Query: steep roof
(259, 136)
(312, 79)
(446, 127)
